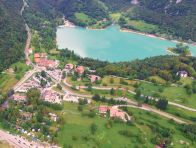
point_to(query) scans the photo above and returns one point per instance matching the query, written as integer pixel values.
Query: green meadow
(76, 130)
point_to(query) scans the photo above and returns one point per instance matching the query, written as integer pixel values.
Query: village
(48, 76)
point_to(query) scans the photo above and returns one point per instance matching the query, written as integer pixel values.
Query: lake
(112, 44)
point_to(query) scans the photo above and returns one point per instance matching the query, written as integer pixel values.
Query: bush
(93, 128)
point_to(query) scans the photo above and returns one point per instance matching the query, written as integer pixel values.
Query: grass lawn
(172, 93)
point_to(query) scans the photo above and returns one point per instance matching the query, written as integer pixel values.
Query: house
(103, 109)
(94, 78)
(80, 70)
(18, 97)
(116, 113)
(182, 74)
(69, 66)
(39, 56)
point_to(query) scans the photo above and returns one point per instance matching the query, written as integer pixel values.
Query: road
(132, 92)
(18, 141)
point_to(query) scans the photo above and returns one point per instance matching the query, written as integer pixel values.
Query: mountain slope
(12, 34)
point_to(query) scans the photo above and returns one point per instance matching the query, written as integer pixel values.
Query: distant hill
(12, 32)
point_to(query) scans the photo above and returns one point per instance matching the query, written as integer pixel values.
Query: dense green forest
(12, 34)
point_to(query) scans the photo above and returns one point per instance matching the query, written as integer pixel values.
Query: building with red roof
(116, 113)
(94, 78)
(103, 109)
(80, 69)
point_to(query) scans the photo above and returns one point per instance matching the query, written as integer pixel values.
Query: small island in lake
(180, 49)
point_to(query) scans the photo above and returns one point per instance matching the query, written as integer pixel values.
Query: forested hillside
(173, 19)
(41, 18)
(12, 32)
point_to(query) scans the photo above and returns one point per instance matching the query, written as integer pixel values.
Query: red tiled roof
(103, 109)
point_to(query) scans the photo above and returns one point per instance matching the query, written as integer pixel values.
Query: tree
(59, 86)
(33, 95)
(112, 91)
(96, 97)
(138, 93)
(80, 108)
(43, 74)
(43, 83)
(162, 104)
(93, 128)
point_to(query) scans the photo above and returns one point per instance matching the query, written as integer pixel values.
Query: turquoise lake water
(111, 44)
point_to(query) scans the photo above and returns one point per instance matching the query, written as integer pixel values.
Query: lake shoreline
(114, 37)
(69, 24)
(153, 36)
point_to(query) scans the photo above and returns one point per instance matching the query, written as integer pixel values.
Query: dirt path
(132, 92)
(28, 40)
(161, 113)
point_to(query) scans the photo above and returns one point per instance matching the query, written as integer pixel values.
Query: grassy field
(82, 17)
(144, 120)
(157, 79)
(182, 113)
(20, 69)
(76, 130)
(115, 16)
(172, 93)
(105, 82)
(142, 26)
(7, 81)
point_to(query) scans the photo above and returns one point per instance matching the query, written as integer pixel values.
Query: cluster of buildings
(113, 112)
(32, 82)
(55, 74)
(42, 60)
(51, 96)
(71, 68)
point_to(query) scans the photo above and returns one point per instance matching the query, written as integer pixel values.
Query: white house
(182, 74)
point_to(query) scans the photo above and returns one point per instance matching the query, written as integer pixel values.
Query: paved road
(17, 141)
(25, 78)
